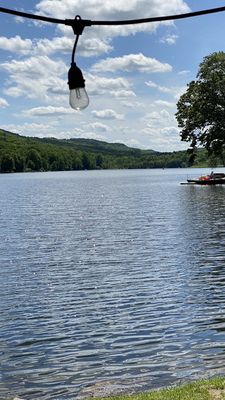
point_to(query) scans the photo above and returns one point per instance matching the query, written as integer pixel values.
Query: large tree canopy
(201, 109)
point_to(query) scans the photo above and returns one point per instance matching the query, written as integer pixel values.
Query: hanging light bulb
(78, 95)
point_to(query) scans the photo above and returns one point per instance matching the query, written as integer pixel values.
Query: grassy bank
(213, 389)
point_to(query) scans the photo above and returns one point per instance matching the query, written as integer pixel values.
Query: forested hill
(19, 153)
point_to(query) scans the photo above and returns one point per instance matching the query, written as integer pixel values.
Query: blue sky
(134, 75)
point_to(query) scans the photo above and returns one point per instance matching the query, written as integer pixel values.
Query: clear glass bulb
(79, 98)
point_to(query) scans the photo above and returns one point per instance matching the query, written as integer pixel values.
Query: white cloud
(3, 103)
(131, 63)
(123, 94)
(97, 8)
(169, 39)
(37, 67)
(133, 143)
(132, 104)
(151, 84)
(87, 47)
(58, 44)
(170, 131)
(32, 129)
(184, 72)
(15, 44)
(175, 91)
(98, 126)
(19, 20)
(80, 133)
(107, 114)
(154, 85)
(112, 10)
(160, 140)
(100, 85)
(47, 111)
(158, 119)
(164, 103)
(34, 77)
(93, 46)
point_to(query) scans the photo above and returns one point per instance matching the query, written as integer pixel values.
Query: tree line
(26, 154)
(20, 154)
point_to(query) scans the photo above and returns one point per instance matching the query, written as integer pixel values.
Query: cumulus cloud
(132, 104)
(34, 76)
(113, 10)
(98, 126)
(107, 114)
(86, 133)
(159, 119)
(132, 63)
(184, 72)
(31, 129)
(36, 67)
(175, 91)
(121, 94)
(47, 111)
(154, 85)
(163, 139)
(164, 103)
(97, 39)
(15, 44)
(87, 47)
(93, 46)
(65, 9)
(170, 131)
(3, 103)
(58, 44)
(169, 39)
(100, 85)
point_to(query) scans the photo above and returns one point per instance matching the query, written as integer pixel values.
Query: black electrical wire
(31, 16)
(74, 49)
(159, 19)
(82, 23)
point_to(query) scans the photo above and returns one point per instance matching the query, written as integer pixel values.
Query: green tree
(7, 163)
(77, 162)
(19, 163)
(88, 161)
(201, 109)
(99, 161)
(34, 160)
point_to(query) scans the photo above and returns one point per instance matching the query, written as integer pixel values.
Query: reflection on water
(109, 279)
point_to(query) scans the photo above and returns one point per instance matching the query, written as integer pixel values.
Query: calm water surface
(109, 281)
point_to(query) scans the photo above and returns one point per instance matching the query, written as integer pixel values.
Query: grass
(213, 389)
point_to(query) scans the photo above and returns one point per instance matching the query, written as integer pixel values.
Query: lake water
(109, 281)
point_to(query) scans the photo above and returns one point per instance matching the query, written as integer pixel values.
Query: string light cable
(82, 22)
(78, 95)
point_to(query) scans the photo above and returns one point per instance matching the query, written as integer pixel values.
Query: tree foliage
(201, 109)
(20, 154)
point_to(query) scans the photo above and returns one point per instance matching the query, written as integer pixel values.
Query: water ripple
(110, 281)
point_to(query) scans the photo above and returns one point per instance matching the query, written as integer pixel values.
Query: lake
(110, 281)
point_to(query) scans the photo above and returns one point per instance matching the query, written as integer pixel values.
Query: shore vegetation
(27, 154)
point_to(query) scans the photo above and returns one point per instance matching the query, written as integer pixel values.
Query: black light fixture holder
(78, 24)
(75, 77)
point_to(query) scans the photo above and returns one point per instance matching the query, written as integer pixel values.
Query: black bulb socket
(75, 77)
